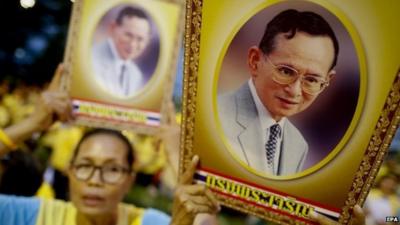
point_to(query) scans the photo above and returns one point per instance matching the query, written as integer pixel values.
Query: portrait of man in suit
(114, 58)
(292, 64)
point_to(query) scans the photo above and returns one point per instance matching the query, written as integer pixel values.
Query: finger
(212, 199)
(179, 212)
(59, 109)
(194, 189)
(58, 102)
(198, 194)
(195, 208)
(62, 114)
(54, 103)
(321, 219)
(172, 113)
(58, 105)
(63, 111)
(197, 205)
(183, 216)
(187, 206)
(200, 199)
(55, 83)
(170, 129)
(187, 176)
(162, 131)
(50, 97)
(358, 216)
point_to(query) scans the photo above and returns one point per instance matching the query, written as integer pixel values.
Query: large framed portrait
(291, 105)
(121, 60)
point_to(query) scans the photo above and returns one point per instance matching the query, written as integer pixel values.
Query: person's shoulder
(225, 98)
(18, 210)
(19, 200)
(102, 51)
(292, 131)
(98, 48)
(229, 97)
(226, 106)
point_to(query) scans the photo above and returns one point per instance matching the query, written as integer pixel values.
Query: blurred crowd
(384, 198)
(48, 153)
(43, 160)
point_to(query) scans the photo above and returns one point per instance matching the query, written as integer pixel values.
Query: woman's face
(92, 193)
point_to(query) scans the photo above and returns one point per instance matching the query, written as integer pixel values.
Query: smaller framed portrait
(283, 108)
(121, 60)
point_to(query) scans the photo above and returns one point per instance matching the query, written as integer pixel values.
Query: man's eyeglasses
(285, 75)
(110, 174)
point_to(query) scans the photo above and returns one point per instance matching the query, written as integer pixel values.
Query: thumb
(358, 216)
(171, 115)
(55, 83)
(187, 176)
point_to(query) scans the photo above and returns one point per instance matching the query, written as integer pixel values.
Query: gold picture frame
(91, 63)
(336, 181)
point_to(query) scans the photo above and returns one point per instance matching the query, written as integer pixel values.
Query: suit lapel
(289, 158)
(249, 137)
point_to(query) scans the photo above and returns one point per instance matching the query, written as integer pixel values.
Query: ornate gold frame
(74, 40)
(378, 146)
(372, 159)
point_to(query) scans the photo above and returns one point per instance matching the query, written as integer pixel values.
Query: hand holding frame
(192, 199)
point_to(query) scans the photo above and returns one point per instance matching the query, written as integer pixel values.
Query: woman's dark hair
(129, 147)
(22, 174)
(292, 21)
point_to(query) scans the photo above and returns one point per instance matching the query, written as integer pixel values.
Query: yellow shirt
(53, 212)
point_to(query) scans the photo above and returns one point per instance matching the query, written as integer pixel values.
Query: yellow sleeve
(45, 191)
(139, 218)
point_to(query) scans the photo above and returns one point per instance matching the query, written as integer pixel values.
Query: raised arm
(53, 104)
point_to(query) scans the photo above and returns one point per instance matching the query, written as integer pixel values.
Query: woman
(100, 175)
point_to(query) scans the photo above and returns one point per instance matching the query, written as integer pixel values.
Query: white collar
(264, 115)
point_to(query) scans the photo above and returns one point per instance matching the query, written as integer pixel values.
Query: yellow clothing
(16, 210)
(53, 212)
(45, 191)
(17, 108)
(150, 152)
(5, 116)
(63, 141)
(393, 201)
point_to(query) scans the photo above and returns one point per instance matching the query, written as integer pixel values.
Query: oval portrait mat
(330, 120)
(146, 62)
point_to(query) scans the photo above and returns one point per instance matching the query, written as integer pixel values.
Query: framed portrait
(121, 60)
(291, 105)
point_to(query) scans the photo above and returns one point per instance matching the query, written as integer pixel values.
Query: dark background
(32, 40)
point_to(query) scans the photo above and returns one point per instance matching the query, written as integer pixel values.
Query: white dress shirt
(108, 65)
(266, 122)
